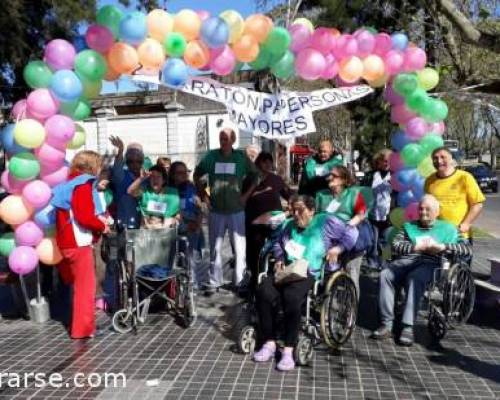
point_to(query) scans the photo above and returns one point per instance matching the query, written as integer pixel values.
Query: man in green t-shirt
(226, 169)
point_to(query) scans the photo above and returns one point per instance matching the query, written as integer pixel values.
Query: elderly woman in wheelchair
(420, 248)
(300, 251)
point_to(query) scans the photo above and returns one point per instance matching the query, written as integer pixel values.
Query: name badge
(294, 249)
(333, 206)
(321, 171)
(156, 207)
(277, 219)
(225, 168)
(425, 240)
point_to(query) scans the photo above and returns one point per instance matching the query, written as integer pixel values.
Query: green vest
(165, 204)
(343, 206)
(313, 168)
(311, 239)
(442, 232)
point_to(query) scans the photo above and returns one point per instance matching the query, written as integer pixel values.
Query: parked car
(485, 177)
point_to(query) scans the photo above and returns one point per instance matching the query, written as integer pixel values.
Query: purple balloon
(28, 234)
(11, 184)
(99, 38)
(60, 54)
(300, 36)
(366, 43)
(392, 97)
(322, 40)
(416, 128)
(49, 155)
(23, 260)
(55, 178)
(60, 130)
(37, 193)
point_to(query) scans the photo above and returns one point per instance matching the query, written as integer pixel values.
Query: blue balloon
(399, 41)
(133, 28)
(405, 197)
(46, 217)
(174, 72)
(79, 43)
(66, 86)
(214, 32)
(406, 176)
(399, 139)
(8, 142)
(418, 187)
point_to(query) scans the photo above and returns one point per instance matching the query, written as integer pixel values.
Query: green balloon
(278, 40)
(37, 74)
(110, 16)
(412, 154)
(78, 110)
(7, 243)
(285, 66)
(108, 197)
(397, 217)
(24, 166)
(405, 84)
(430, 142)
(435, 111)
(90, 65)
(91, 89)
(417, 101)
(262, 61)
(174, 44)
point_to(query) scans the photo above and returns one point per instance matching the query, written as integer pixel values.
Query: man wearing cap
(226, 169)
(122, 176)
(317, 168)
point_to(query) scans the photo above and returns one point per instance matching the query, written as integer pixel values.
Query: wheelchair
(450, 296)
(329, 314)
(152, 263)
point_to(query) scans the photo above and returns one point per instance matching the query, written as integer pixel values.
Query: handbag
(296, 271)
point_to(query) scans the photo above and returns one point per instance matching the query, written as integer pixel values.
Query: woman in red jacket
(79, 223)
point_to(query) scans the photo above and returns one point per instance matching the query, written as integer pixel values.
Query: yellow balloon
(378, 83)
(29, 133)
(197, 54)
(78, 138)
(14, 210)
(426, 167)
(235, 23)
(159, 23)
(188, 23)
(151, 54)
(91, 89)
(373, 68)
(351, 69)
(48, 252)
(428, 78)
(304, 21)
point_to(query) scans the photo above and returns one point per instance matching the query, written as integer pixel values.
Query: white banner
(281, 116)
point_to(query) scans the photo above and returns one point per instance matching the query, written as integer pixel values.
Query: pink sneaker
(100, 304)
(265, 353)
(286, 363)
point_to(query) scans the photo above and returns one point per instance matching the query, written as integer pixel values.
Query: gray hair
(434, 203)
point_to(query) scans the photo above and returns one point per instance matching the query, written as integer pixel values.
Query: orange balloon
(380, 82)
(197, 54)
(188, 23)
(246, 48)
(111, 74)
(373, 68)
(123, 58)
(159, 23)
(351, 69)
(335, 32)
(258, 26)
(48, 252)
(14, 210)
(151, 54)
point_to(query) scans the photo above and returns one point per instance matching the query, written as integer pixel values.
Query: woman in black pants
(309, 238)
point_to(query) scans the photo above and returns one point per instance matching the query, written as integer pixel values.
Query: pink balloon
(411, 212)
(300, 36)
(366, 43)
(49, 155)
(416, 128)
(331, 69)
(323, 40)
(392, 97)
(438, 127)
(414, 59)
(41, 104)
(345, 46)
(99, 38)
(60, 130)
(23, 260)
(48, 168)
(383, 44)
(395, 163)
(401, 115)
(60, 54)
(222, 60)
(37, 193)
(203, 14)
(28, 234)
(310, 64)
(19, 109)
(393, 61)
(55, 178)
(11, 184)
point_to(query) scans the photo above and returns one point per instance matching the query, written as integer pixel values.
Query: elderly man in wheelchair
(423, 248)
(300, 250)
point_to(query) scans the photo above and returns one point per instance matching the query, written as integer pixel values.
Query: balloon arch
(119, 44)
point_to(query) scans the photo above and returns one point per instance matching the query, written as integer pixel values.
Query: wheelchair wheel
(123, 321)
(436, 325)
(303, 351)
(459, 294)
(338, 310)
(247, 338)
(184, 301)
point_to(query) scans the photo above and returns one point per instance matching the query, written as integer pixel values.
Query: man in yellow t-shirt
(457, 191)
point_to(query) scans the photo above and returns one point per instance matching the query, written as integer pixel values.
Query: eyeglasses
(334, 176)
